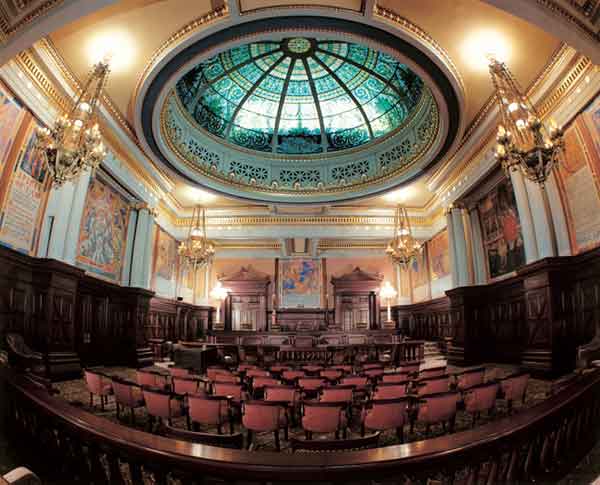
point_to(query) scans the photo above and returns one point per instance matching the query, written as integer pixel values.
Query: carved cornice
(15, 15)
(301, 220)
(329, 244)
(262, 244)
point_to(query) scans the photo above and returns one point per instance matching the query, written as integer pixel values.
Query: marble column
(558, 214)
(142, 249)
(451, 248)
(542, 220)
(479, 261)
(460, 247)
(525, 216)
(75, 213)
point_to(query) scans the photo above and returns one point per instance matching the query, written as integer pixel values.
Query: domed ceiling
(299, 110)
(300, 96)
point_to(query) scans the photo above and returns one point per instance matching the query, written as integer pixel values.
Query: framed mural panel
(439, 255)
(501, 230)
(165, 255)
(579, 193)
(300, 283)
(12, 114)
(103, 231)
(26, 197)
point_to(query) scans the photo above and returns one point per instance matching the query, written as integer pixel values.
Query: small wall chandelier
(524, 142)
(403, 248)
(197, 250)
(74, 143)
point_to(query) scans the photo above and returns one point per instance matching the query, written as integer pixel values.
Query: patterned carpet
(75, 392)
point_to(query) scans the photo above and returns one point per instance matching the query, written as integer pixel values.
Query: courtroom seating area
(279, 406)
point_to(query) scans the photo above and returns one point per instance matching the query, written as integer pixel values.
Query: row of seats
(321, 399)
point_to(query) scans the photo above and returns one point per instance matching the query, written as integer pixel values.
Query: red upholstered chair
(312, 369)
(390, 390)
(288, 394)
(433, 385)
(152, 378)
(346, 369)
(211, 372)
(337, 394)
(246, 367)
(98, 385)
(209, 411)
(432, 372)
(331, 374)
(374, 373)
(227, 377)
(360, 383)
(470, 378)
(257, 373)
(372, 366)
(278, 369)
(384, 414)
(229, 389)
(259, 383)
(264, 416)
(481, 398)
(179, 372)
(409, 367)
(127, 394)
(162, 405)
(514, 388)
(310, 385)
(292, 375)
(324, 417)
(438, 408)
(395, 377)
(188, 385)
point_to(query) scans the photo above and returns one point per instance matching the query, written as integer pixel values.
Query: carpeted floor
(76, 393)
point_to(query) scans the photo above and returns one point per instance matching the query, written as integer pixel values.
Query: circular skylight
(300, 96)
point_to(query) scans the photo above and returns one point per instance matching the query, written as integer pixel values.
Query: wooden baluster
(511, 469)
(125, 471)
(528, 466)
(148, 477)
(492, 478)
(105, 464)
(545, 450)
(473, 474)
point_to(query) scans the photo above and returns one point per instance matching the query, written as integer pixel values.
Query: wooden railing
(536, 444)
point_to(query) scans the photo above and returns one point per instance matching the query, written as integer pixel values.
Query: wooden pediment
(357, 275)
(246, 274)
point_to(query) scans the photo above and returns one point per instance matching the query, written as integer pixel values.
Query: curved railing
(537, 443)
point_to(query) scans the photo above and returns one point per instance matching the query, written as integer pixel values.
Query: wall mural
(439, 255)
(579, 179)
(26, 197)
(300, 283)
(501, 229)
(11, 117)
(165, 255)
(103, 231)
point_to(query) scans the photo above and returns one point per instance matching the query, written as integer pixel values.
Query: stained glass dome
(300, 96)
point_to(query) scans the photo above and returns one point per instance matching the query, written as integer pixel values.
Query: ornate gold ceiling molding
(275, 220)
(15, 15)
(269, 244)
(588, 14)
(333, 244)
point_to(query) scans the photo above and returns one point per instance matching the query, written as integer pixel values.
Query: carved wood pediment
(357, 275)
(246, 274)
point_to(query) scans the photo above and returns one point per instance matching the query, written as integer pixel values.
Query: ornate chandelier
(74, 143)
(197, 250)
(524, 142)
(403, 248)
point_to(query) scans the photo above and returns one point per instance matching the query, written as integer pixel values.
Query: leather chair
(22, 356)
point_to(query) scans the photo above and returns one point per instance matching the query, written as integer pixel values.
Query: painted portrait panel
(439, 255)
(501, 229)
(166, 254)
(103, 231)
(24, 204)
(11, 117)
(300, 283)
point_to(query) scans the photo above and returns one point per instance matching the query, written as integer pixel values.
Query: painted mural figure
(97, 246)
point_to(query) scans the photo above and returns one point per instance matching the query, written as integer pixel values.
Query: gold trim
(304, 220)
(267, 244)
(329, 244)
(10, 30)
